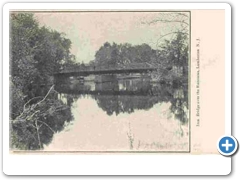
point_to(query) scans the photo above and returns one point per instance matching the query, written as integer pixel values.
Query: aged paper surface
(117, 81)
(207, 62)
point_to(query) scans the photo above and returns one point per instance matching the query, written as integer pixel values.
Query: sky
(88, 31)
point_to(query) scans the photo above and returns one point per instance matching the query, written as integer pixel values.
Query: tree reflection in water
(39, 121)
(115, 95)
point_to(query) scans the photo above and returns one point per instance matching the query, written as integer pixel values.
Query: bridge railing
(104, 69)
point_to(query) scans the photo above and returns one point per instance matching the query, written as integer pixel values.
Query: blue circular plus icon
(227, 145)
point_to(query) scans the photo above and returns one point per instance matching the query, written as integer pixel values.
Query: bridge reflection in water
(122, 113)
(115, 94)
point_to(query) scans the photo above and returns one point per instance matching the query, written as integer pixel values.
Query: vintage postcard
(116, 81)
(100, 81)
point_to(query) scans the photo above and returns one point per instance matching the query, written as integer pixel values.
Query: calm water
(112, 113)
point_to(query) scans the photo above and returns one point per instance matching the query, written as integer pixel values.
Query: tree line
(171, 56)
(36, 52)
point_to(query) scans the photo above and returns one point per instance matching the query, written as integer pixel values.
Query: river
(113, 113)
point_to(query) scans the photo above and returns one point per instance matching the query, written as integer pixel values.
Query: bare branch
(46, 95)
(181, 14)
(28, 118)
(166, 21)
(24, 107)
(39, 140)
(169, 34)
(46, 125)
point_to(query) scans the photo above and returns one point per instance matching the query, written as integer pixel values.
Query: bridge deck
(107, 92)
(105, 71)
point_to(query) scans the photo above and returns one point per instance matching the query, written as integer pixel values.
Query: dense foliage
(122, 55)
(171, 59)
(35, 54)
